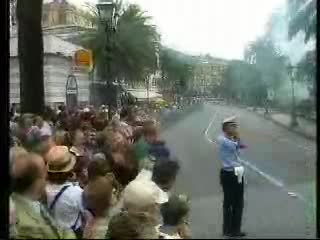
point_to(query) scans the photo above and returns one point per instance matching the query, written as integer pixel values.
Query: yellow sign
(83, 58)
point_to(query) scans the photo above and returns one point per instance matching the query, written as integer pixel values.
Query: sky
(221, 28)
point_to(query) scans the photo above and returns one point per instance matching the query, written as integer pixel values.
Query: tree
(30, 52)
(302, 18)
(243, 82)
(307, 71)
(134, 46)
(176, 69)
(268, 60)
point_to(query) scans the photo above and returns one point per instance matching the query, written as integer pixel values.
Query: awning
(142, 95)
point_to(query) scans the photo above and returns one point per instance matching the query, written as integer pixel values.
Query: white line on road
(206, 131)
(271, 179)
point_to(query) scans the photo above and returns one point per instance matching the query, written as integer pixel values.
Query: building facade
(58, 65)
(208, 75)
(61, 12)
(61, 21)
(59, 18)
(65, 20)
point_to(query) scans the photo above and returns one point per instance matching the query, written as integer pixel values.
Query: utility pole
(109, 17)
(148, 89)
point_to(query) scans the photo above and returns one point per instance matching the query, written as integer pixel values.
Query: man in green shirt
(141, 150)
(32, 219)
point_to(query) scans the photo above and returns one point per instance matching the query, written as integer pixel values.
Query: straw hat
(60, 160)
(142, 193)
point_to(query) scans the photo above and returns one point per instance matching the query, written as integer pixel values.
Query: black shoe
(239, 234)
(227, 234)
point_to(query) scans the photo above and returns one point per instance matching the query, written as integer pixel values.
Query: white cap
(232, 119)
(86, 110)
(141, 193)
(46, 131)
(99, 156)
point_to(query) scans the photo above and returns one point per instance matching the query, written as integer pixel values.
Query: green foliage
(307, 71)
(177, 69)
(242, 81)
(269, 62)
(303, 18)
(134, 46)
(303, 15)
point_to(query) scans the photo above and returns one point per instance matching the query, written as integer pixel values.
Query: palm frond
(135, 43)
(304, 20)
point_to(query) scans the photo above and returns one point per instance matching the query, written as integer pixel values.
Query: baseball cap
(141, 193)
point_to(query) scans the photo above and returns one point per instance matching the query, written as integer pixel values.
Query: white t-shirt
(69, 205)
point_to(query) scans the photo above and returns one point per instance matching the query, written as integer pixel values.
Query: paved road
(277, 161)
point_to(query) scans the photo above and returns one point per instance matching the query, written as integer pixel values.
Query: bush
(305, 107)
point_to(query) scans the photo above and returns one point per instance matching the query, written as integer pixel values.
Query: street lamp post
(109, 17)
(147, 81)
(294, 121)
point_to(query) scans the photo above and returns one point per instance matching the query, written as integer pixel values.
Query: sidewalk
(306, 128)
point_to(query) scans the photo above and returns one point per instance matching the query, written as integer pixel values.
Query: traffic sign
(83, 58)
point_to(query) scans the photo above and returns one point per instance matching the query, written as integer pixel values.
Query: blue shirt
(229, 153)
(159, 150)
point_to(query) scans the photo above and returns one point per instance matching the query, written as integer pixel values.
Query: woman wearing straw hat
(64, 197)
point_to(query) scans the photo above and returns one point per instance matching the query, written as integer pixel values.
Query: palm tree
(30, 51)
(134, 45)
(307, 71)
(302, 18)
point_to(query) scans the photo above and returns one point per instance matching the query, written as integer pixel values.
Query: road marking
(271, 179)
(206, 131)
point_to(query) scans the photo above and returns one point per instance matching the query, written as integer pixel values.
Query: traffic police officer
(231, 178)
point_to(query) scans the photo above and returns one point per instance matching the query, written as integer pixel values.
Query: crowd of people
(77, 173)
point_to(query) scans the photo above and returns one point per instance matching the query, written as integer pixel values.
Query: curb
(298, 132)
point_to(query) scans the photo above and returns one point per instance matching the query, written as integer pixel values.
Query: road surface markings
(206, 131)
(271, 179)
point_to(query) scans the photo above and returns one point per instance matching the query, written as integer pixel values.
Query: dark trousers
(232, 202)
